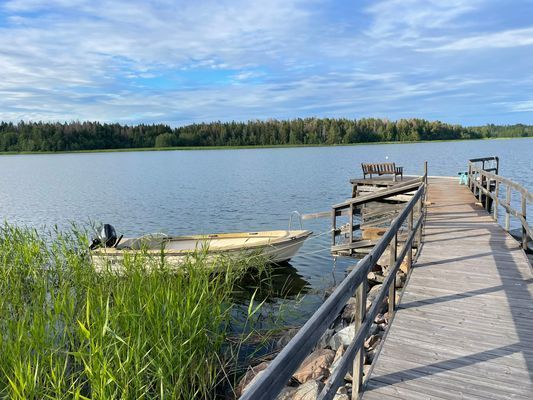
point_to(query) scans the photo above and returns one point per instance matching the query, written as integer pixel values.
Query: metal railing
(487, 185)
(277, 374)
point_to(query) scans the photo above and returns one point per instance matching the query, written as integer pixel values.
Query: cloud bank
(179, 62)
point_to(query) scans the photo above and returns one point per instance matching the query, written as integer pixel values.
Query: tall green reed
(67, 331)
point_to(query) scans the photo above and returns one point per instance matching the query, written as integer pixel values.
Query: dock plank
(463, 327)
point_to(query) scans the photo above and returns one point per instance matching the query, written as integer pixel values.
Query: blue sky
(177, 62)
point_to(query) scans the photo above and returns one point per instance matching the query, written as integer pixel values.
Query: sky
(179, 62)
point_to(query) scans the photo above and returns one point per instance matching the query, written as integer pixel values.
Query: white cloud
(80, 59)
(406, 22)
(504, 39)
(522, 106)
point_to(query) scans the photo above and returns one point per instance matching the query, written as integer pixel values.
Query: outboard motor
(106, 238)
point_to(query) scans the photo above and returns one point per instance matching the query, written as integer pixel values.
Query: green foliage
(69, 332)
(41, 136)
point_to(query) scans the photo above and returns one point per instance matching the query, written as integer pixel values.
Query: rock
(307, 391)
(374, 328)
(342, 396)
(342, 390)
(349, 310)
(315, 365)
(249, 377)
(372, 341)
(339, 353)
(403, 266)
(379, 319)
(348, 377)
(373, 293)
(366, 369)
(286, 393)
(286, 338)
(375, 277)
(325, 339)
(371, 296)
(337, 359)
(343, 337)
(370, 356)
(398, 283)
(340, 324)
(387, 316)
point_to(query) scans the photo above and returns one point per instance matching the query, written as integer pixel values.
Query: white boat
(274, 246)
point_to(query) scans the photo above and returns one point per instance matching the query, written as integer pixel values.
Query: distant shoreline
(248, 147)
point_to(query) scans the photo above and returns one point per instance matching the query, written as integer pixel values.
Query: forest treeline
(72, 136)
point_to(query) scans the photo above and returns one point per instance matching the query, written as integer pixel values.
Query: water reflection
(279, 281)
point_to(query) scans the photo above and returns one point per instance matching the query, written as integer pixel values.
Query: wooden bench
(382, 169)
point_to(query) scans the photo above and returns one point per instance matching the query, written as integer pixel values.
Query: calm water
(183, 192)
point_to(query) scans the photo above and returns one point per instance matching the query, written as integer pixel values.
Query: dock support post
(334, 226)
(392, 261)
(524, 232)
(496, 201)
(508, 201)
(360, 314)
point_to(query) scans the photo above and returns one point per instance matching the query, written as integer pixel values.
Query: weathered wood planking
(464, 327)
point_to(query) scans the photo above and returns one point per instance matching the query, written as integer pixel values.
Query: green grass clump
(67, 331)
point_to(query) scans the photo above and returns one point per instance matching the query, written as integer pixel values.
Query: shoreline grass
(68, 331)
(249, 147)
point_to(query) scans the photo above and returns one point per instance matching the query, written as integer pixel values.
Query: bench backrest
(382, 168)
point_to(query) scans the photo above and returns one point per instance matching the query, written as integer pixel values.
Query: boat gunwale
(114, 252)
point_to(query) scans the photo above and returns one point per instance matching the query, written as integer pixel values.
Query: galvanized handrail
(277, 374)
(484, 181)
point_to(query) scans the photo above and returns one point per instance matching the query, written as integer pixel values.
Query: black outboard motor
(106, 238)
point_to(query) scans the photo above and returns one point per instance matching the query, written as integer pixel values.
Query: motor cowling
(107, 237)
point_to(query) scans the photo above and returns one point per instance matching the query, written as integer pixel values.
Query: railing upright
(524, 223)
(496, 201)
(392, 261)
(481, 180)
(507, 210)
(358, 362)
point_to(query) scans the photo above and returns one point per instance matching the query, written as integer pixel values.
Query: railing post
(421, 212)
(479, 189)
(496, 201)
(351, 226)
(409, 231)
(360, 314)
(507, 214)
(524, 232)
(392, 261)
(487, 197)
(470, 176)
(425, 180)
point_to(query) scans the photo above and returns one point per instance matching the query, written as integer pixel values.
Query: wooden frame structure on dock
(485, 183)
(277, 374)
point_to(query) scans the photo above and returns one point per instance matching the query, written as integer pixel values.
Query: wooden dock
(464, 326)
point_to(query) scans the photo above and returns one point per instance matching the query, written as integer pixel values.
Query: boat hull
(272, 246)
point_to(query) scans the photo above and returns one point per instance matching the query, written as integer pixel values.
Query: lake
(208, 191)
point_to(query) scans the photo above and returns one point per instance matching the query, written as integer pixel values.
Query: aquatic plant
(67, 331)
